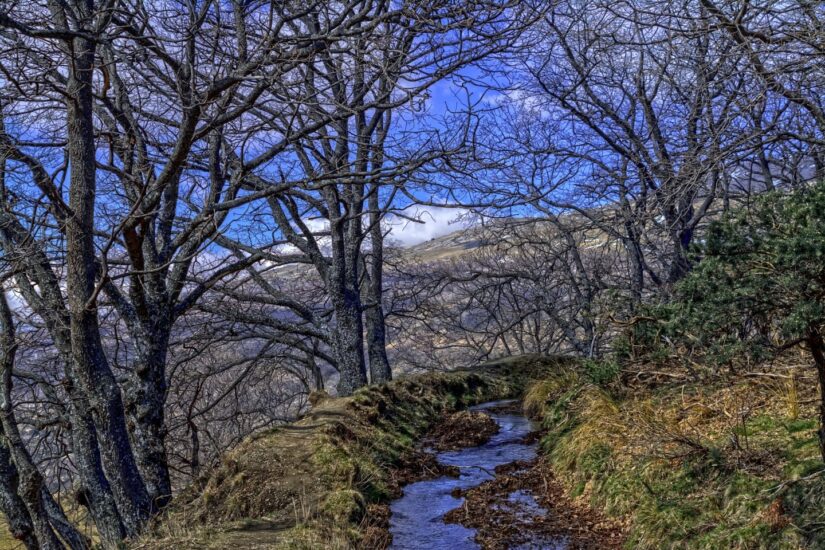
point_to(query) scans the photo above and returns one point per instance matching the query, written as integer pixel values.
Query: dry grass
(690, 466)
(8, 542)
(547, 391)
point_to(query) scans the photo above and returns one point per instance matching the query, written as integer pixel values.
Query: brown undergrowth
(717, 462)
(462, 429)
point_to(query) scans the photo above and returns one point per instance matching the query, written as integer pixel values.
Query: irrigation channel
(417, 519)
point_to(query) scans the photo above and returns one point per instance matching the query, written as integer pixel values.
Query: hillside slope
(728, 463)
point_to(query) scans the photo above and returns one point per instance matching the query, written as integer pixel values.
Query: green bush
(601, 372)
(757, 286)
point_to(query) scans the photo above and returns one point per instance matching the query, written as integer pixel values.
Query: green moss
(578, 489)
(595, 460)
(344, 506)
(801, 425)
(800, 468)
(805, 502)
(601, 372)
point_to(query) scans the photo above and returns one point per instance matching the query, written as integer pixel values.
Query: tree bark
(343, 285)
(12, 505)
(95, 491)
(349, 341)
(90, 367)
(61, 524)
(19, 470)
(380, 370)
(50, 305)
(817, 349)
(144, 399)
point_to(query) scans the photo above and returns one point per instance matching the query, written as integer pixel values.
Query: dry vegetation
(503, 522)
(728, 463)
(462, 429)
(725, 464)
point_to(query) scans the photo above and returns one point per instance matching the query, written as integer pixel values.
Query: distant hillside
(468, 239)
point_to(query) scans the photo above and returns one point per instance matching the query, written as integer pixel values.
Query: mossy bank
(726, 464)
(310, 484)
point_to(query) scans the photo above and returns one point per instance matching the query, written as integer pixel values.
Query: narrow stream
(417, 520)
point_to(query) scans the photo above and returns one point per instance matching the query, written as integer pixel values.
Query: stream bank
(723, 462)
(500, 495)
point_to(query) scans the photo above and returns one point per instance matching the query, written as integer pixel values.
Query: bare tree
(361, 92)
(136, 141)
(145, 193)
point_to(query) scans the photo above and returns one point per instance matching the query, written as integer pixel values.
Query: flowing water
(417, 520)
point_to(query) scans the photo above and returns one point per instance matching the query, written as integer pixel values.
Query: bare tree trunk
(345, 295)
(95, 491)
(61, 524)
(144, 399)
(20, 496)
(349, 340)
(17, 515)
(314, 369)
(380, 370)
(634, 252)
(194, 456)
(817, 349)
(90, 366)
(15, 460)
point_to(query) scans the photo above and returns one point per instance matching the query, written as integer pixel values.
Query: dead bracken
(417, 465)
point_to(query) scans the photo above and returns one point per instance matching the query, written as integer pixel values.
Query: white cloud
(527, 104)
(316, 224)
(434, 222)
